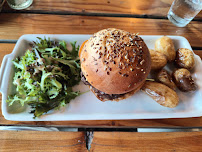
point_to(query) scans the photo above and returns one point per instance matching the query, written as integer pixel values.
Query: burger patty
(99, 93)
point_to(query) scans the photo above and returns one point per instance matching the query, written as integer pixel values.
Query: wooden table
(147, 17)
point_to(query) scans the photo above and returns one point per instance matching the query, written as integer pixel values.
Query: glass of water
(19, 4)
(183, 11)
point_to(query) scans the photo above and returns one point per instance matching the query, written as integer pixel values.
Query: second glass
(19, 4)
(183, 11)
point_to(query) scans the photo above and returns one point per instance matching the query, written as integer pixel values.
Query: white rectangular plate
(87, 106)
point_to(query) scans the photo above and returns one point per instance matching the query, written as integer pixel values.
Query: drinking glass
(19, 4)
(183, 11)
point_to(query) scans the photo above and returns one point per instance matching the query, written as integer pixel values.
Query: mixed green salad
(45, 75)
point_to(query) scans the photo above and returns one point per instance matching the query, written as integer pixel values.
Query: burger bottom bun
(125, 96)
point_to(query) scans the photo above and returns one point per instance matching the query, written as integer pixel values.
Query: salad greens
(45, 76)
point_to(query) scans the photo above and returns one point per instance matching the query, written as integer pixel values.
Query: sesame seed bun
(115, 61)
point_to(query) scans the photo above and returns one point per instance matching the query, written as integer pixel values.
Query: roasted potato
(183, 79)
(158, 60)
(161, 94)
(164, 77)
(165, 45)
(185, 58)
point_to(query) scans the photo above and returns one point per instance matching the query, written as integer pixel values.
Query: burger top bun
(115, 61)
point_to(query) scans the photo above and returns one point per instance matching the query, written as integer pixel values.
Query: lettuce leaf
(44, 79)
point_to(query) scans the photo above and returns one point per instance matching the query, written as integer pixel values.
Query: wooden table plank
(198, 52)
(137, 7)
(19, 141)
(152, 142)
(102, 141)
(6, 48)
(12, 26)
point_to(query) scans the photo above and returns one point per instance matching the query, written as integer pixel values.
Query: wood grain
(6, 48)
(12, 26)
(198, 52)
(19, 141)
(147, 142)
(137, 7)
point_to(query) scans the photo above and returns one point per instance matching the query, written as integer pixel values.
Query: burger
(114, 64)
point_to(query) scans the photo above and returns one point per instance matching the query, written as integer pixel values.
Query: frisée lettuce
(45, 75)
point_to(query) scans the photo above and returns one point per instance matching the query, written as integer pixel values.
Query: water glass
(19, 4)
(183, 11)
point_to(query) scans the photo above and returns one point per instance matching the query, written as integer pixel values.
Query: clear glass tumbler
(183, 11)
(19, 4)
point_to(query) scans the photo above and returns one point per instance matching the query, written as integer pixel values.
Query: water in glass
(19, 4)
(183, 11)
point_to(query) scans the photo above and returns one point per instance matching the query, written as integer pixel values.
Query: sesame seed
(137, 44)
(105, 68)
(125, 75)
(142, 62)
(94, 58)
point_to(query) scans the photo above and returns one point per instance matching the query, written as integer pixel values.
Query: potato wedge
(158, 60)
(184, 81)
(164, 77)
(165, 45)
(185, 58)
(161, 94)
